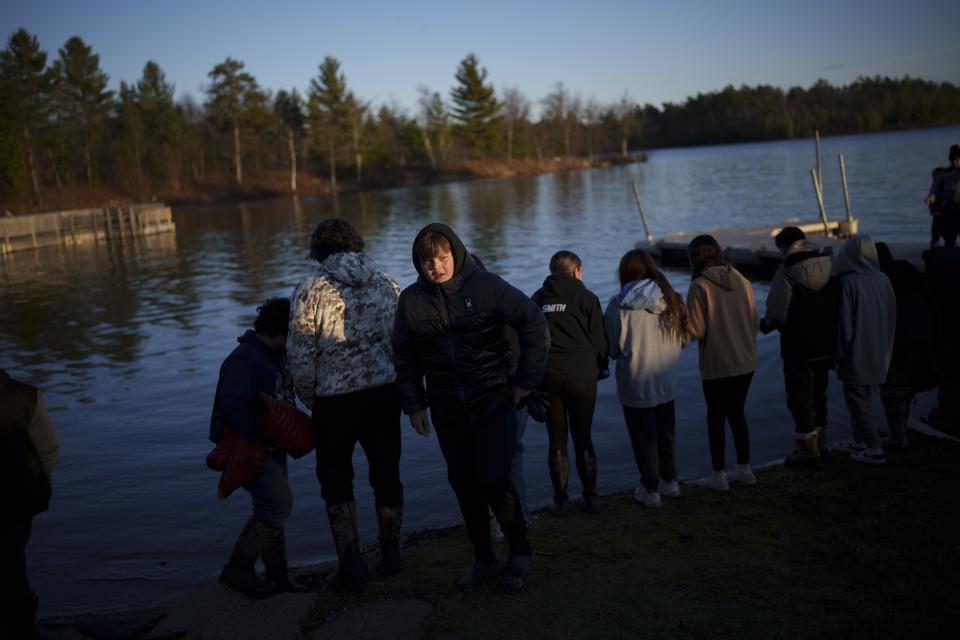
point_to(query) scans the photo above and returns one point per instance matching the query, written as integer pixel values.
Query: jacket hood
(351, 268)
(561, 284)
(856, 255)
(806, 265)
(463, 262)
(724, 276)
(642, 294)
(250, 338)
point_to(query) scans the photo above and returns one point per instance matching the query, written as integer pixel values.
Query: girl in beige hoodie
(724, 320)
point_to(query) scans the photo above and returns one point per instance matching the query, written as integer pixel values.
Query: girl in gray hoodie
(647, 326)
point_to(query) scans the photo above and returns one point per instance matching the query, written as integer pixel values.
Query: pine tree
(85, 101)
(476, 108)
(329, 109)
(25, 83)
(234, 100)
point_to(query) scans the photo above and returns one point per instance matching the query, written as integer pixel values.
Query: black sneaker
(479, 573)
(518, 572)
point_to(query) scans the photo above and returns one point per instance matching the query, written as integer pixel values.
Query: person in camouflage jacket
(341, 358)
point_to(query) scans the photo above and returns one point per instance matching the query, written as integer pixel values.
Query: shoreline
(433, 556)
(221, 188)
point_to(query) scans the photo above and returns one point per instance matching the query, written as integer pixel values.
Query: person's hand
(930, 200)
(420, 422)
(519, 394)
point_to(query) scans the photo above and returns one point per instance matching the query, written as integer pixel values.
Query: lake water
(126, 340)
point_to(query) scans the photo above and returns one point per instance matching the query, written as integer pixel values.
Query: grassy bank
(272, 184)
(854, 550)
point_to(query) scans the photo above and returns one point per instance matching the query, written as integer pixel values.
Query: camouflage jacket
(340, 325)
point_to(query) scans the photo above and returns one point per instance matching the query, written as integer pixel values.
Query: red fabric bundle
(240, 460)
(286, 427)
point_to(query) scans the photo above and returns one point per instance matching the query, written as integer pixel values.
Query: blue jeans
(270, 491)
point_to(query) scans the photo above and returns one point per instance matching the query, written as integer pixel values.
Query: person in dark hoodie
(578, 355)
(29, 452)
(647, 327)
(945, 195)
(723, 319)
(866, 323)
(912, 362)
(258, 365)
(342, 362)
(450, 332)
(802, 304)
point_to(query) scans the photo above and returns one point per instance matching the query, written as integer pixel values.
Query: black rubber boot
(352, 572)
(589, 480)
(389, 521)
(239, 573)
(518, 572)
(274, 554)
(480, 571)
(559, 476)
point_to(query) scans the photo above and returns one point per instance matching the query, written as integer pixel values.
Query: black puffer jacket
(454, 335)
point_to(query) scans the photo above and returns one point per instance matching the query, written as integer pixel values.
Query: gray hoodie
(341, 320)
(646, 356)
(867, 314)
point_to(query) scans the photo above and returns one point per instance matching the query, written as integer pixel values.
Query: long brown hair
(636, 265)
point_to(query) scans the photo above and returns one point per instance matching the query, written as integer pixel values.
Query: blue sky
(656, 51)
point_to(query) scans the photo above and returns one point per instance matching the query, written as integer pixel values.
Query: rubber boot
(518, 572)
(589, 480)
(480, 571)
(822, 444)
(806, 455)
(351, 572)
(239, 574)
(559, 476)
(274, 554)
(389, 520)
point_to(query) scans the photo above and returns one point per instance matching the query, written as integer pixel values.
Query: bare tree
(515, 110)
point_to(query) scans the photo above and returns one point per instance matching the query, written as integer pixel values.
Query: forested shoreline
(67, 140)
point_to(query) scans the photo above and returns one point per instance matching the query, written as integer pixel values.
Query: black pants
(949, 226)
(572, 403)
(806, 384)
(372, 418)
(725, 400)
(16, 599)
(478, 449)
(653, 436)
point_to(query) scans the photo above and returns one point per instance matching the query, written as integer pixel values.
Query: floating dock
(35, 231)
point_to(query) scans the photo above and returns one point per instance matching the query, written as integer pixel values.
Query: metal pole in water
(823, 212)
(816, 135)
(846, 193)
(643, 216)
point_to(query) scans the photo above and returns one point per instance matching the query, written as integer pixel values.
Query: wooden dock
(36, 231)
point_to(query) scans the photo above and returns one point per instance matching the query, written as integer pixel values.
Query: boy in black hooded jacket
(450, 331)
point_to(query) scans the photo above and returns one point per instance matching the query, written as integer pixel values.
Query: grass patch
(853, 550)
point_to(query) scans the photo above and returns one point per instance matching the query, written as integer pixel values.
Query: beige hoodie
(724, 321)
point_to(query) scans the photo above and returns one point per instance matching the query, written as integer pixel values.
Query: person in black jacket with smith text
(578, 355)
(451, 331)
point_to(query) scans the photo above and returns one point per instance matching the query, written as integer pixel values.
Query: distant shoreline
(221, 188)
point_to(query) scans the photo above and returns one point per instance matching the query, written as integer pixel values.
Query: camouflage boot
(589, 480)
(559, 475)
(239, 573)
(274, 554)
(389, 520)
(352, 572)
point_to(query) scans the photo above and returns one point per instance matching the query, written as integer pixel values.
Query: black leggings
(372, 418)
(572, 403)
(725, 400)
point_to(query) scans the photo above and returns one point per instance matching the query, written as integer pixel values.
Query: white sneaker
(717, 482)
(647, 499)
(849, 446)
(873, 456)
(669, 489)
(743, 475)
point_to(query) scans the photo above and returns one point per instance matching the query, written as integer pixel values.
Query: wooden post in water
(816, 137)
(823, 212)
(643, 216)
(846, 192)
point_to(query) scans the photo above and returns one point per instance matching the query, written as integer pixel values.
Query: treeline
(62, 129)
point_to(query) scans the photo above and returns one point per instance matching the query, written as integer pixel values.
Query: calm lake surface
(126, 339)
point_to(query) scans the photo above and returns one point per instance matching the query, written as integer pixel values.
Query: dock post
(823, 212)
(816, 135)
(643, 216)
(846, 192)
